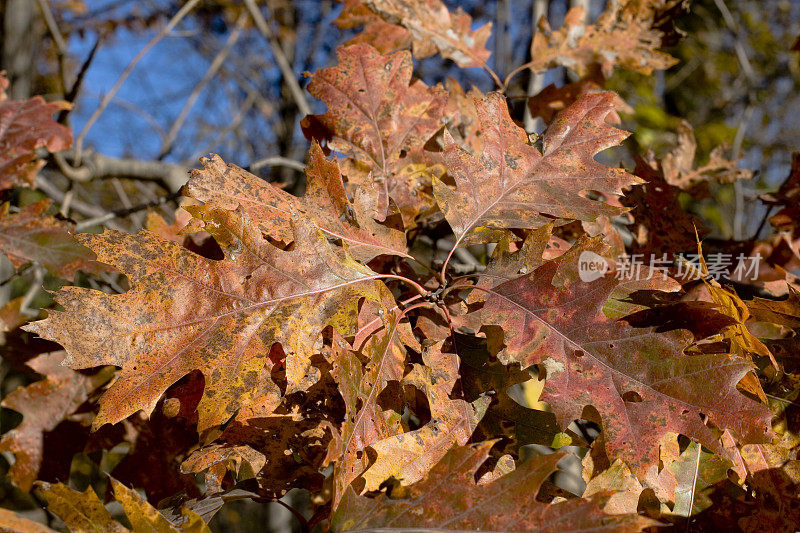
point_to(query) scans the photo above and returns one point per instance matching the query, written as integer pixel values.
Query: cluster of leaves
(366, 341)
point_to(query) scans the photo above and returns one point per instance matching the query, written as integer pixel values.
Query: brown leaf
(449, 498)
(620, 37)
(30, 235)
(26, 125)
(325, 203)
(783, 312)
(366, 421)
(144, 517)
(679, 168)
(186, 312)
(642, 382)
(376, 113)
(550, 100)
(385, 37)
(506, 419)
(513, 185)
(409, 456)
(661, 225)
(43, 405)
(243, 461)
(433, 29)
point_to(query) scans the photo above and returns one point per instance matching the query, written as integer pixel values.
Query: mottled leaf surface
(511, 184)
(449, 499)
(325, 203)
(642, 381)
(376, 113)
(186, 312)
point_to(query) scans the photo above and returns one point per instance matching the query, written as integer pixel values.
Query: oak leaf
(243, 461)
(80, 511)
(643, 382)
(449, 498)
(376, 113)
(43, 405)
(30, 235)
(620, 37)
(325, 203)
(26, 125)
(433, 29)
(381, 35)
(511, 184)
(366, 420)
(783, 312)
(409, 456)
(186, 312)
(679, 165)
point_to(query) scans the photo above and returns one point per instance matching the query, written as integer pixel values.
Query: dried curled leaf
(513, 185)
(679, 167)
(432, 28)
(186, 312)
(243, 461)
(620, 37)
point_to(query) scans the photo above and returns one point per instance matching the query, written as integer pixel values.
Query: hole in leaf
(632, 397)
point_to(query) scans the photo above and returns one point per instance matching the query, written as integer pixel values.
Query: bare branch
(110, 96)
(96, 166)
(280, 57)
(277, 161)
(52, 26)
(166, 146)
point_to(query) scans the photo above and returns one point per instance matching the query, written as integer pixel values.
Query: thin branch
(694, 486)
(277, 161)
(536, 81)
(217, 62)
(280, 57)
(102, 219)
(52, 27)
(33, 290)
(187, 7)
(81, 207)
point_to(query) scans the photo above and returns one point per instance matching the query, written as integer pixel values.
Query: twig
(83, 208)
(277, 161)
(17, 273)
(126, 201)
(694, 486)
(52, 27)
(33, 290)
(216, 63)
(280, 57)
(182, 12)
(102, 219)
